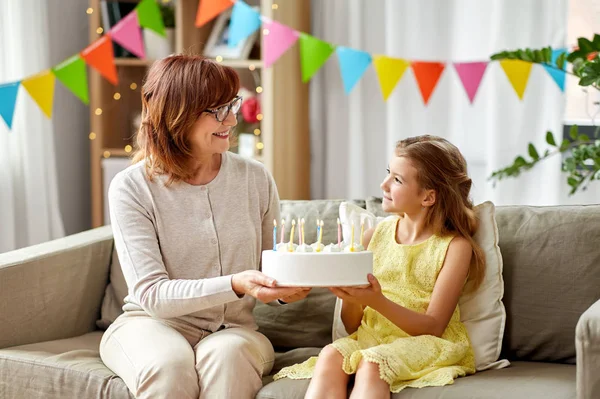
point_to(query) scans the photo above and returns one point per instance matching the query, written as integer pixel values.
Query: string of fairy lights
(134, 86)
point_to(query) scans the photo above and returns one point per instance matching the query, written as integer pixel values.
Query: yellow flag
(517, 72)
(41, 88)
(389, 71)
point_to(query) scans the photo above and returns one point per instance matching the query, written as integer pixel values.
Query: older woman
(190, 220)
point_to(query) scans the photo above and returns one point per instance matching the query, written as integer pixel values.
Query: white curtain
(353, 137)
(29, 209)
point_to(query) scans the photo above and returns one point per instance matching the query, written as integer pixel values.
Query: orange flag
(208, 9)
(427, 75)
(99, 55)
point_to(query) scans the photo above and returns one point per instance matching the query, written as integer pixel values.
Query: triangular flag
(149, 16)
(99, 55)
(208, 9)
(41, 88)
(517, 72)
(557, 74)
(470, 74)
(245, 20)
(427, 75)
(8, 99)
(128, 34)
(389, 71)
(353, 64)
(72, 73)
(277, 39)
(313, 54)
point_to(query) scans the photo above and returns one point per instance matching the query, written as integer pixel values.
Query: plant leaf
(583, 137)
(533, 152)
(550, 139)
(564, 145)
(560, 61)
(572, 181)
(573, 132)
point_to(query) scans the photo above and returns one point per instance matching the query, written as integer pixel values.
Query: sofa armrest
(54, 290)
(587, 346)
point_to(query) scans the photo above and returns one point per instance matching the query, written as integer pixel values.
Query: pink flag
(128, 34)
(470, 74)
(277, 39)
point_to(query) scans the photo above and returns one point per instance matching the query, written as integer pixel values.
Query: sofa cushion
(305, 323)
(551, 274)
(66, 368)
(523, 380)
(482, 310)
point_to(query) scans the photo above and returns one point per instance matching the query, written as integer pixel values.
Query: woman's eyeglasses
(222, 112)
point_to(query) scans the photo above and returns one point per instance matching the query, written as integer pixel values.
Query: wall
(68, 34)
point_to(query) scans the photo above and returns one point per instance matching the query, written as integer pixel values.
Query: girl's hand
(369, 295)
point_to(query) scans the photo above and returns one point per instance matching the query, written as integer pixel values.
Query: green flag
(73, 74)
(313, 54)
(149, 16)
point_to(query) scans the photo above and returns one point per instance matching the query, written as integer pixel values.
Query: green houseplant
(581, 161)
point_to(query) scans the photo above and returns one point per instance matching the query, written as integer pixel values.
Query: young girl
(405, 326)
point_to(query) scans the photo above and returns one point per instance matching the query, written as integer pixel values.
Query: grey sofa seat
(59, 369)
(527, 380)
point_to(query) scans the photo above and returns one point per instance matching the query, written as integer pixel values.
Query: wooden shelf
(117, 152)
(135, 62)
(242, 63)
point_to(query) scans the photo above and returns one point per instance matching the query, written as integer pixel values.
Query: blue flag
(353, 64)
(557, 74)
(8, 99)
(244, 21)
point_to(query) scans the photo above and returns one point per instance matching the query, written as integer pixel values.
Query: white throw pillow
(482, 311)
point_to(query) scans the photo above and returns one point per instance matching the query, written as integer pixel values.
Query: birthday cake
(317, 265)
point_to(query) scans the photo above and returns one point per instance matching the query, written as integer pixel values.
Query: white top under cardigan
(180, 245)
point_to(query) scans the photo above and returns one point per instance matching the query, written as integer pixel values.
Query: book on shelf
(112, 12)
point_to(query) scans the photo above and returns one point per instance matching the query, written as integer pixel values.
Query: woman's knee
(176, 375)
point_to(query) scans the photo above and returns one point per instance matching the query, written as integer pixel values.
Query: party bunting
(8, 99)
(353, 64)
(41, 88)
(277, 39)
(128, 34)
(245, 20)
(427, 75)
(149, 16)
(99, 55)
(389, 71)
(72, 73)
(517, 72)
(313, 54)
(470, 74)
(209, 9)
(557, 74)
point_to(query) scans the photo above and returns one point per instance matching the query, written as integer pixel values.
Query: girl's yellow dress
(407, 274)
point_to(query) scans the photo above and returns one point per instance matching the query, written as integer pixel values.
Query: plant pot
(157, 46)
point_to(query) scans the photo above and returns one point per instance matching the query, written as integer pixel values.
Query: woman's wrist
(236, 286)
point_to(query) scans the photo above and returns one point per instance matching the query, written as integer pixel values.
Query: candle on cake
(362, 232)
(282, 230)
(291, 243)
(352, 238)
(339, 233)
(274, 234)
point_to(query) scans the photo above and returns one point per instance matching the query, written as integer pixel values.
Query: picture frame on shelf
(216, 44)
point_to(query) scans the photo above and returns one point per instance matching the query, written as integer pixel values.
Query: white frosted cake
(317, 269)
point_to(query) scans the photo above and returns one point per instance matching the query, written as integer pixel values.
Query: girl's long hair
(441, 167)
(176, 91)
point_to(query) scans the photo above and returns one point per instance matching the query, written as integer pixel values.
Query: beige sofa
(51, 297)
